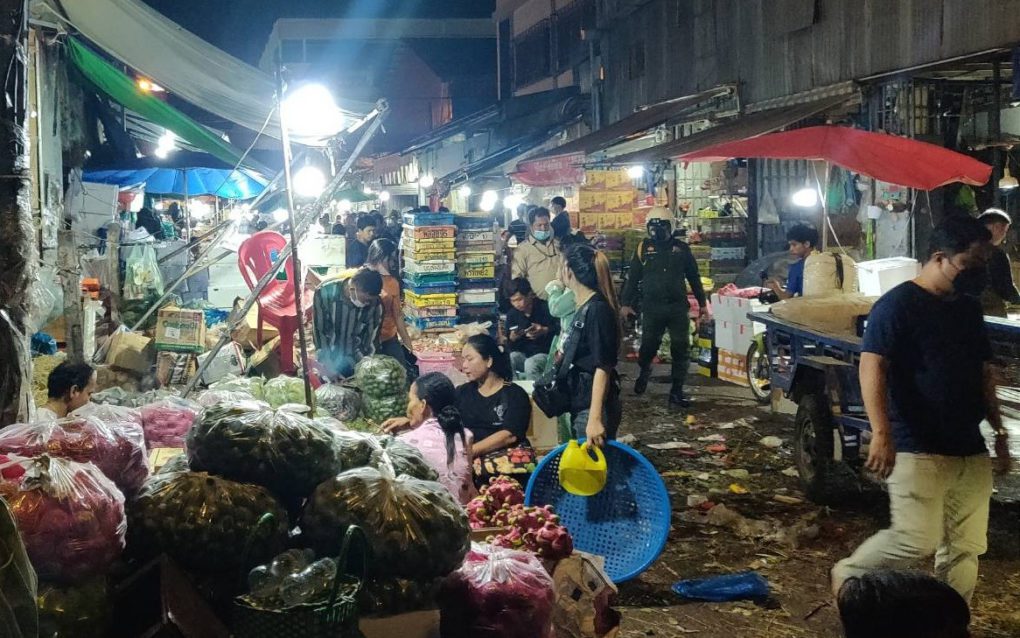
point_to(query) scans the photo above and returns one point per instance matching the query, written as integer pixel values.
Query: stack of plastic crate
(430, 271)
(476, 268)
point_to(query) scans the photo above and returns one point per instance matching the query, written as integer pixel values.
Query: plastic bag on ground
(116, 448)
(252, 385)
(110, 413)
(283, 390)
(210, 398)
(415, 529)
(286, 452)
(71, 517)
(341, 402)
(167, 422)
(745, 585)
(379, 377)
(205, 521)
(142, 273)
(497, 592)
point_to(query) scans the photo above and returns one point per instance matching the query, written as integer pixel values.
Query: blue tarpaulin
(239, 184)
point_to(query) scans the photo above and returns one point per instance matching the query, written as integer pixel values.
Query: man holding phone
(530, 330)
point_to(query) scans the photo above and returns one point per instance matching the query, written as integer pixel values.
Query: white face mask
(357, 302)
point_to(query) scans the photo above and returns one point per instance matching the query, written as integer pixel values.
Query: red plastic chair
(276, 303)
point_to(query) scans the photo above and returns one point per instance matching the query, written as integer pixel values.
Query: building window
(573, 23)
(292, 51)
(532, 55)
(637, 62)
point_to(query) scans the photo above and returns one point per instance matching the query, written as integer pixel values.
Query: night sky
(241, 27)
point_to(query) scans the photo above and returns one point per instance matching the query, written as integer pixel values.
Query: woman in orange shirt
(382, 258)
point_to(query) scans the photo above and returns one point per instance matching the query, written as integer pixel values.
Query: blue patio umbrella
(183, 174)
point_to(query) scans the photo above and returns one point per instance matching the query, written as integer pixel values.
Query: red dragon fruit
(551, 542)
(480, 510)
(504, 491)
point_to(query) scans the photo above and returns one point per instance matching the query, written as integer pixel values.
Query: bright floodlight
(465, 191)
(367, 189)
(309, 182)
(489, 199)
(805, 198)
(636, 172)
(345, 205)
(161, 152)
(280, 215)
(513, 201)
(310, 111)
(384, 196)
(426, 181)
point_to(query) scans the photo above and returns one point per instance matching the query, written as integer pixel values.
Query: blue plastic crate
(428, 219)
(435, 288)
(627, 522)
(424, 280)
(432, 323)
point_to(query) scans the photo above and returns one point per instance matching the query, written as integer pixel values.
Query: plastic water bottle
(262, 583)
(290, 562)
(310, 584)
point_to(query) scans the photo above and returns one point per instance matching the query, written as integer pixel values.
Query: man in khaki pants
(927, 382)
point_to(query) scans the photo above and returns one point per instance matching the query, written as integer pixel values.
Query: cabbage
(285, 452)
(206, 522)
(71, 517)
(415, 529)
(116, 448)
(497, 592)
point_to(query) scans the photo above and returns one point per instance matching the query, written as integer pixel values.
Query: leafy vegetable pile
(116, 448)
(497, 592)
(415, 529)
(205, 522)
(283, 390)
(285, 452)
(254, 386)
(339, 401)
(383, 382)
(70, 516)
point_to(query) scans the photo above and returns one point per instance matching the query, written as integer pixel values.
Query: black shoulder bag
(552, 393)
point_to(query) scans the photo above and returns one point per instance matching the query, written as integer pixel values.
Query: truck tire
(813, 450)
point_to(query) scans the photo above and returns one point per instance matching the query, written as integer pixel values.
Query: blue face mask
(542, 235)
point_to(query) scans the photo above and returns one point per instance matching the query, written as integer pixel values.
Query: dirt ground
(792, 543)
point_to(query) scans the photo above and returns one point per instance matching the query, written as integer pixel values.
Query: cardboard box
(180, 330)
(175, 368)
(418, 624)
(131, 352)
(247, 331)
(160, 456)
(733, 367)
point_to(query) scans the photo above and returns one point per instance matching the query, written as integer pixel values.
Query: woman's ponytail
(591, 268)
(605, 281)
(451, 424)
(438, 393)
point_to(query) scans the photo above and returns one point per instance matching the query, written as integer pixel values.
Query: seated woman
(69, 387)
(496, 411)
(437, 432)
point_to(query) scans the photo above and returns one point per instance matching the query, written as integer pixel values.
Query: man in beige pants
(927, 382)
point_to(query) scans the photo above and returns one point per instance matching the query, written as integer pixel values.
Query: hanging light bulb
(384, 196)
(636, 172)
(513, 201)
(1008, 182)
(489, 199)
(426, 181)
(465, 191)
(806, 197)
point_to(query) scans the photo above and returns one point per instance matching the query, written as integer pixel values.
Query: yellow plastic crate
(429, 232)
(422, 301)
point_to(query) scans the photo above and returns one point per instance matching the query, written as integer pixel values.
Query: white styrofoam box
(721, 309)
(743, 335)
(725, 334)
(877, 277)
(738, 307)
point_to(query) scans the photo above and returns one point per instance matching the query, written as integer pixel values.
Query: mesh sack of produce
(378, 409)
(71, 516)
(78, 611)
(339, 401)
(405, 459)
(167, 422)
(356, 449)
(392, 596)
(210, 398)
(116, 448)
(286, 452)
(497, 592)
(254, 386)
(205, 522)
(283, 390)
(379, 376)
(415, 529)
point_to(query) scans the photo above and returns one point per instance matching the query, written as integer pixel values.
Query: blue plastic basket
(627, 522)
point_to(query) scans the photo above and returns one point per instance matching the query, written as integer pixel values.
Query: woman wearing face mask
(382, 258)
(438, 433)
(595, 410)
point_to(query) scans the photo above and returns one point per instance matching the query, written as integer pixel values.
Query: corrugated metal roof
(737, 129)
(636, 123)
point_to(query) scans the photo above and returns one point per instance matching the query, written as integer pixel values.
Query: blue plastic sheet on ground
(43, 343)
(717, 589)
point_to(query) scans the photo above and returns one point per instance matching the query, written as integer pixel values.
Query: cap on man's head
(995, 215)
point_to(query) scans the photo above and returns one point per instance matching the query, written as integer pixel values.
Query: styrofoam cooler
(877, 277)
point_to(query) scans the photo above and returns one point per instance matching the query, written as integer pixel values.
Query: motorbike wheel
(759, 373)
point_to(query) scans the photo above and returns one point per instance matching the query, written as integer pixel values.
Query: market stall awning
(739, 128)
(635, 123)
(889, 158)
(123, 90)
(180, 61)
(183, 174)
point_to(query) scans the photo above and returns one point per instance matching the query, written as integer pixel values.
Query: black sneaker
(677, 399)
(642, 382)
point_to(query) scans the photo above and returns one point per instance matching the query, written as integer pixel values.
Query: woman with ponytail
(438, 433)
(595, 409)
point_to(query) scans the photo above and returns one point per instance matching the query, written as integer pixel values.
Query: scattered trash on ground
(787, 500)
(739, 474)
(717, 448)
(712, 438)
(771, 442)
(737, 488)
(670, 445)
(791, 471)
(694, 500)
(627, 439)
(742, 586)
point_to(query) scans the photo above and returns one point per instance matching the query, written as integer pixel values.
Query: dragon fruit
(551, 542)
(480, 511)
(504, 491)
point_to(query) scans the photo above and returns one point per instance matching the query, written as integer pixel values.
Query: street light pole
(298, 285)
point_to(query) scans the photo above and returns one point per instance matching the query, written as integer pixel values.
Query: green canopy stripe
(122, 89)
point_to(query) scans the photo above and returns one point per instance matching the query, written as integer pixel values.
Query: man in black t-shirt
(530, 330)
(927, 383)
(1001, 291)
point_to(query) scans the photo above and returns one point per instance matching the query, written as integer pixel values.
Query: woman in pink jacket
(437, 432)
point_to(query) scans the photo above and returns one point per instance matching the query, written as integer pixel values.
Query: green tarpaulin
(123, 90)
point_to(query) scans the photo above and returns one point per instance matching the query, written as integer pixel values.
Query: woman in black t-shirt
(493, 408)
(595, 409)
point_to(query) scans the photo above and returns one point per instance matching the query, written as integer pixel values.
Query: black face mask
(659, 231)
(971, 281)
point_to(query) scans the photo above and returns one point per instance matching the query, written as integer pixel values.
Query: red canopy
(897, 160)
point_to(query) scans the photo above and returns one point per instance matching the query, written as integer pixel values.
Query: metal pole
(310, 214)
(995, 132)
(298, 272)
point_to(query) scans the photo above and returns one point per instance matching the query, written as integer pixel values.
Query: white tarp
(176, 59)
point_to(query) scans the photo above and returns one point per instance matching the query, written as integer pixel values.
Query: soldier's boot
(641, 384)
(677, 398)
